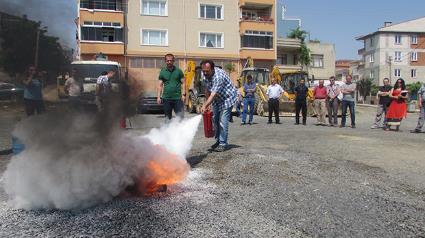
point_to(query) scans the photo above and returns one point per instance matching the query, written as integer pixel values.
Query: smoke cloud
(57, 15)
(69, 165)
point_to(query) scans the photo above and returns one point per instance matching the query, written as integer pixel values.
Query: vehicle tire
(200, 103)
(257, 104)
(192, 103)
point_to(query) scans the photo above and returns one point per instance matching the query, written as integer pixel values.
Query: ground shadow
(196, 159)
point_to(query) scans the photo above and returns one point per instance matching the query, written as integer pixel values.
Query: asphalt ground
(274, 181)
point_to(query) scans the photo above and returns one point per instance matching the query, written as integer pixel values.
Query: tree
(229, 67)
(413, 89)
(364, 86)
(18, 43)
(305, 52)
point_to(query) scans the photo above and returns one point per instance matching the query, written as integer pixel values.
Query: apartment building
(257, 28)
(101, 25)
(189, 29)
(322, 64)
(394, 51)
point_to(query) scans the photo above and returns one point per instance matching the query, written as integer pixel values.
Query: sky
(341, 21)
(57, 15)
(331, 21)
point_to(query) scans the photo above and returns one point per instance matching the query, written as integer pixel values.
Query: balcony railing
(263, 19)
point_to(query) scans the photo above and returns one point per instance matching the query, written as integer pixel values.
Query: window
(371, 42)
(105, 34)
(135, 62)
(316, 61)
(414, 39)
(398, 39)
(107, 24)
(413, 73)
(414, 56)
(154, 7)
(249, 15)
(372, 58)
(397, 56)
(397, 72)
(211, 11)
(211, 40)
(114, 5)
(371, 75)
(154, 37)
(257, 39)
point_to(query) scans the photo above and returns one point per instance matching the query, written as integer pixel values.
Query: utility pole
(390, 59)
(37, 43)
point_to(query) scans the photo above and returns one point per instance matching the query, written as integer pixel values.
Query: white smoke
(70, 167)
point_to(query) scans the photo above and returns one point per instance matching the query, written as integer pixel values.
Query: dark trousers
(350, 105)
(301, 106)
(332, 105)
(171, 105)
(32, 106)
(274, 107)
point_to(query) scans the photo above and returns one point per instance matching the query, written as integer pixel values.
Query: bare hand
(203, 109)
(158, 100)
(183, 98)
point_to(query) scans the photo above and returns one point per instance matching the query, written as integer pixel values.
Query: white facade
(322, 60)
(394, 51)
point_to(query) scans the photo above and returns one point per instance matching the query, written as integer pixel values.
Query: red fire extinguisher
(208, 124)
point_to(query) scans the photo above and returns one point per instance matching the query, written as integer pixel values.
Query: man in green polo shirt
(171, 84)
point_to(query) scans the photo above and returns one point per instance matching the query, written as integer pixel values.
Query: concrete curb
(367, 105)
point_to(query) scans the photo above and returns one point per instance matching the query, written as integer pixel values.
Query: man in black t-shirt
(301, 102)
(384, 101)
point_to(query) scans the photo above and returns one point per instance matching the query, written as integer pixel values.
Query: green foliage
(374, 89)
(364, 86)
(18, 44)
(229, 67)
(305, 55)
(305, 52)
(414, 87)
(297, 33)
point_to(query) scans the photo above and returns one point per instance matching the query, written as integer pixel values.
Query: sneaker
(374, 127)
(249, 123)
(220, 148)
(243, 123)
(353, 126)
(216, 144)
(341, 126)
(415, 131)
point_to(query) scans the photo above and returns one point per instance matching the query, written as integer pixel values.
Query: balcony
(105, 5)
(361, 51)
(288, 44)
(256, 2)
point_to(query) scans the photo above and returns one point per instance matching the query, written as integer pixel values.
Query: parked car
(10, 91)
(148, 103)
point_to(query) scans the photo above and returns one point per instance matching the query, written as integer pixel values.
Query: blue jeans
(248, 101)
(349, 104)
(221, 124)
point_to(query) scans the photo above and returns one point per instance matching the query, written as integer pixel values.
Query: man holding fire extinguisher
(222, 94)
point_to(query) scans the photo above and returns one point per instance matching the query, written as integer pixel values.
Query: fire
(162, 170)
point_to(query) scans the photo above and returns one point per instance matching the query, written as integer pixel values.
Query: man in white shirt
(274, 92)
(73, 87)
(103, 89)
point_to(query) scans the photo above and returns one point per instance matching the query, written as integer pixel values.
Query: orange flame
(164, 169)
